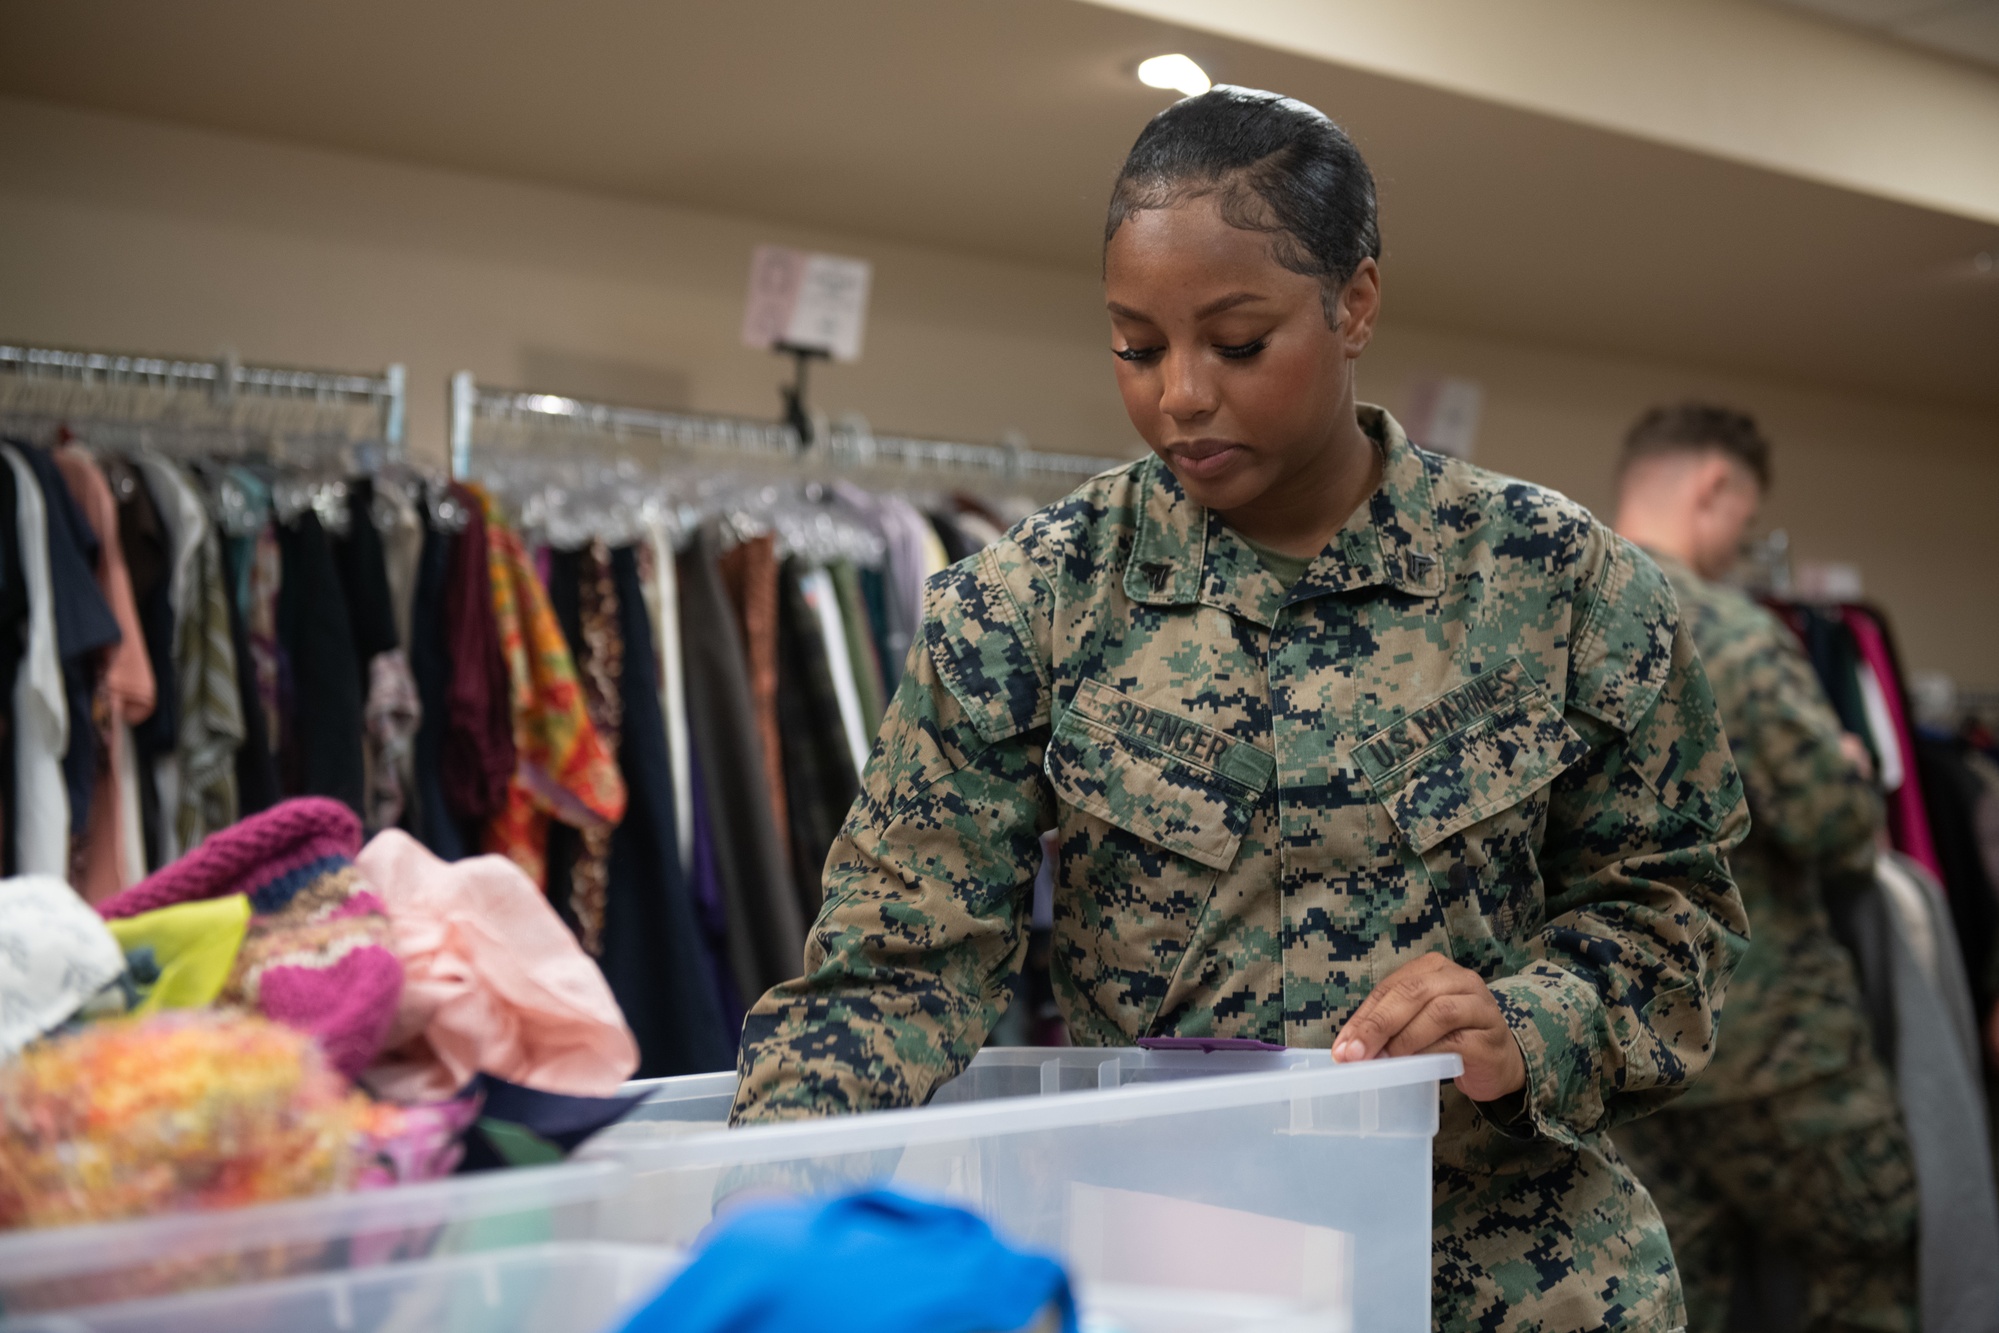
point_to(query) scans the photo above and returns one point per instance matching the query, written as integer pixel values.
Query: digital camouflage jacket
(1474, 726)
(1794, 1011)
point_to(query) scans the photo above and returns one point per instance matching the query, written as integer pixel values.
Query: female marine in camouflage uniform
(1346, 744)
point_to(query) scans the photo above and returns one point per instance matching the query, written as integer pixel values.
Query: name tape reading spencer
(1455, 711)
(1172, 734)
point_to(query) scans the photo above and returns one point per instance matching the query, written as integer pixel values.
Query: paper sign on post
(807, 300)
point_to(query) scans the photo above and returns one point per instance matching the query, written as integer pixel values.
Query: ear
(1710, 481)
(1358, 307)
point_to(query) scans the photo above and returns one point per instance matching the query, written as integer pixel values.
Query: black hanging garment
(85, 627)
(321, 749)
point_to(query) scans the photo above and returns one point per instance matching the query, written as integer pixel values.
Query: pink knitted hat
(318, 954)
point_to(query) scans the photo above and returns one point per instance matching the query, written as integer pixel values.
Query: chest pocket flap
(1167, 778)
(1483, 748)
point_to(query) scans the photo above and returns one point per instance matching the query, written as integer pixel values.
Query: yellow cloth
(194, 945)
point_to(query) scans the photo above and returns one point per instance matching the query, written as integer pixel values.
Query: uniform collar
(1184, 553)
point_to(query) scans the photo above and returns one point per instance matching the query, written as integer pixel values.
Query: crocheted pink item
(246, 856)
(317, 956)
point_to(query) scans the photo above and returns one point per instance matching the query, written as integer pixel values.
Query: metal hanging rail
(845, 443)
(226, 380)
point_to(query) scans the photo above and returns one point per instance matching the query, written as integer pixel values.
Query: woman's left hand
(1434, 1006)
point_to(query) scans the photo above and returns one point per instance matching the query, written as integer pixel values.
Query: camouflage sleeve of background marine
(927, 885)
(1616, 1009)
(1805, 795)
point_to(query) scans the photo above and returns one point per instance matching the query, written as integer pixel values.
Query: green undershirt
(1286, 569)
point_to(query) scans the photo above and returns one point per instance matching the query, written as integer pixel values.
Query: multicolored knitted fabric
(318, 955)
(564, 769)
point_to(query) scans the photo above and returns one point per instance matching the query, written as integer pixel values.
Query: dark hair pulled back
(1274, 164)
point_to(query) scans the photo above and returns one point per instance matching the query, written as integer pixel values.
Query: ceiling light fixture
(1174, 71)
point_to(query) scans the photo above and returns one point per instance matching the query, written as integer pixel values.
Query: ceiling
(995, 129)
(1965, 28)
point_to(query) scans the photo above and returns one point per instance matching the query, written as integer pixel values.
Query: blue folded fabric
(872, 1262)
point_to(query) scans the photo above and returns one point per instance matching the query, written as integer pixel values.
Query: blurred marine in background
(1793, 1135)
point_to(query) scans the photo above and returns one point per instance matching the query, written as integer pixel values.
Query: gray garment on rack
(766, 930)
(1912, 976)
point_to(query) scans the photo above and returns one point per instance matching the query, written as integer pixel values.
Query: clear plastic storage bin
(64, 1267)
(1275, 1182)
(575, 1287)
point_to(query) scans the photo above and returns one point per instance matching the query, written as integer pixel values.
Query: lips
(1206, 458)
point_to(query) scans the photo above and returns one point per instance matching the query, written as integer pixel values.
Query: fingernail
(1346, 1050)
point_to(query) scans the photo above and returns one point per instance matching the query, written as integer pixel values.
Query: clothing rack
(849, 442)
(225, 382)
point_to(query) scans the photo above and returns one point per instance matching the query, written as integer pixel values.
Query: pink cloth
(1908, 821)
(493, 982)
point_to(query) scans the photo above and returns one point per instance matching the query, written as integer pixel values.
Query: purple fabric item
(1207, 1044)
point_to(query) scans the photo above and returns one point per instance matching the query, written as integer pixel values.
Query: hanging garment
(186, 526)
(653, 951)
(662, 598)
(817, 587)
(651, 945)
(321, 745)
(14, 612)
(478, 753)
(392, 712)
(860, 647)
(1912, 976)
(256, 763)
(266, 582)
(364, 577)
(430, 665)
(766, 934)
(85, 631)
(401, 529)
(710, 902)
(142, 531)
(749, 572)
(1952, 792)
(127, 685)
(41, 705)
(820, 779)
(563, 769)
(1881, 736)
(585, 602)
(1908, 825)
(211, 713)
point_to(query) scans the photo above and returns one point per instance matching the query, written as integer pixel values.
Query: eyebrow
(1215, 307)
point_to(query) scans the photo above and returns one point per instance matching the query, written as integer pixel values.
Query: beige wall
(133, 236)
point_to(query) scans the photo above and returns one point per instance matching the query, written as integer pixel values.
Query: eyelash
(1238, 352)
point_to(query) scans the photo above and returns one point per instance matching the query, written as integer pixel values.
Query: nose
(1186, 389)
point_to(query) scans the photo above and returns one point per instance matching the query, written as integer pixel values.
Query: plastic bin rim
(909, 1126)
(56, 1252)
(203, 1299)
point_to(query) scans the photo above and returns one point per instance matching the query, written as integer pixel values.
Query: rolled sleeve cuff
(1558, 1020)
